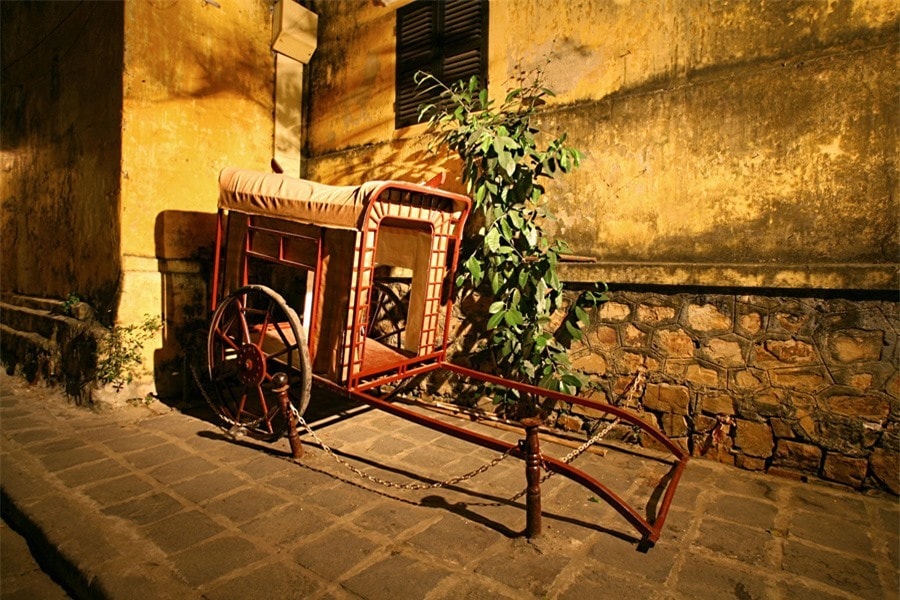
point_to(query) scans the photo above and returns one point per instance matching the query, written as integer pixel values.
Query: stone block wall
(792, 385)
(797, 386)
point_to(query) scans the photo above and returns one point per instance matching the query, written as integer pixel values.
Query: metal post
(532, 448)
(280, 383)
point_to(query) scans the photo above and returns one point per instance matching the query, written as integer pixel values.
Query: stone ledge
(821, 277)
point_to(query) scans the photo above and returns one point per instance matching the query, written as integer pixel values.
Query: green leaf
(528, 368)
(572, 379)
(480, 192)
(507, 163)
(496, 307)
(492, 240)
(513, 318)
(573, 331)
(581, 315)
(495, 320)
(474, 268)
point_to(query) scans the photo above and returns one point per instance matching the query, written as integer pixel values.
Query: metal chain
(394, 484)
(301, 421)
(235, 426)
(638, 383)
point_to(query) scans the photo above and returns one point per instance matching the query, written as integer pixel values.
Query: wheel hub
(251, 365)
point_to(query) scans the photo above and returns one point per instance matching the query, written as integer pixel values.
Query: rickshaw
(303, 285)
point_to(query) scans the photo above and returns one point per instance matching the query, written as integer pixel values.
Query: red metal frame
(445, 241)
(360, 379)
(650, 532)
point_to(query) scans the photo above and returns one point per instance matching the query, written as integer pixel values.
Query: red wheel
(254, 334)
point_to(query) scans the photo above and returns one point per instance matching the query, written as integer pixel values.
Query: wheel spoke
(243, 384)
(231, 320)
(264, 412)
(225, 338)
(242, 403)
(242, 313)
(264, 328)
(286, 350)
(379, 306)
(387, 317)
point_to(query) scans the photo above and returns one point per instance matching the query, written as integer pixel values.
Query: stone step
(42, 343)
(79, 310)
(39, 321)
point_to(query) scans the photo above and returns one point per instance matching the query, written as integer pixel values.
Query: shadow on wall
(399, 160)
(184, 249)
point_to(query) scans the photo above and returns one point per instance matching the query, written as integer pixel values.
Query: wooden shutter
(463, 33)
(447, 38)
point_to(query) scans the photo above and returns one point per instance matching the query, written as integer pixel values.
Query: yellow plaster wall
(198, 96)
(61, 103)
(352, 80)
(727, 143)
(600, 48)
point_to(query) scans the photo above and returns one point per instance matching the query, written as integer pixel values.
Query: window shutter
(463, 31)
(447, 38)
(416, 29)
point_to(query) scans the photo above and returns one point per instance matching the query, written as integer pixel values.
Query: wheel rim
(254, 334)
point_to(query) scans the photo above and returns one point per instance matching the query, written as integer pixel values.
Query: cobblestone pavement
(154, 503)
(20, 575)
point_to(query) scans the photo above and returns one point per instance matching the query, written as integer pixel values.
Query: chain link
(235, 426)
(394, 484)
(638, 383)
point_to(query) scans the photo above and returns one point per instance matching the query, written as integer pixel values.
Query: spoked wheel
(387, 316)
(254, 335)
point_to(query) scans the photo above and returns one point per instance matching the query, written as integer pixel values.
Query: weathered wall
(198, 96)
(61, 103)
(741, 164)
(805, 386)
(117, 118)
(727, 143)
(755, 179)
(351, 136)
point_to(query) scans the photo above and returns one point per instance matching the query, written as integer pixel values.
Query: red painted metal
(281, 387)
(621, 413)
(650, 532)
(370, 365)
(220, 219)
(532, 447)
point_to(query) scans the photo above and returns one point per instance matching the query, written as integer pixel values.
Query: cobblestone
(165, 502)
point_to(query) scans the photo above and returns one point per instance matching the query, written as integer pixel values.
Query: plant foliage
(120, 351)
(505, 163)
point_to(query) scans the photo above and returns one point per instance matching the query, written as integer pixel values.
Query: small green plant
(504, 167)
(120, 351)
(68, 305)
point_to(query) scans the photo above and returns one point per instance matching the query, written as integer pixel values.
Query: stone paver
(20, 575)
(155, 500)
